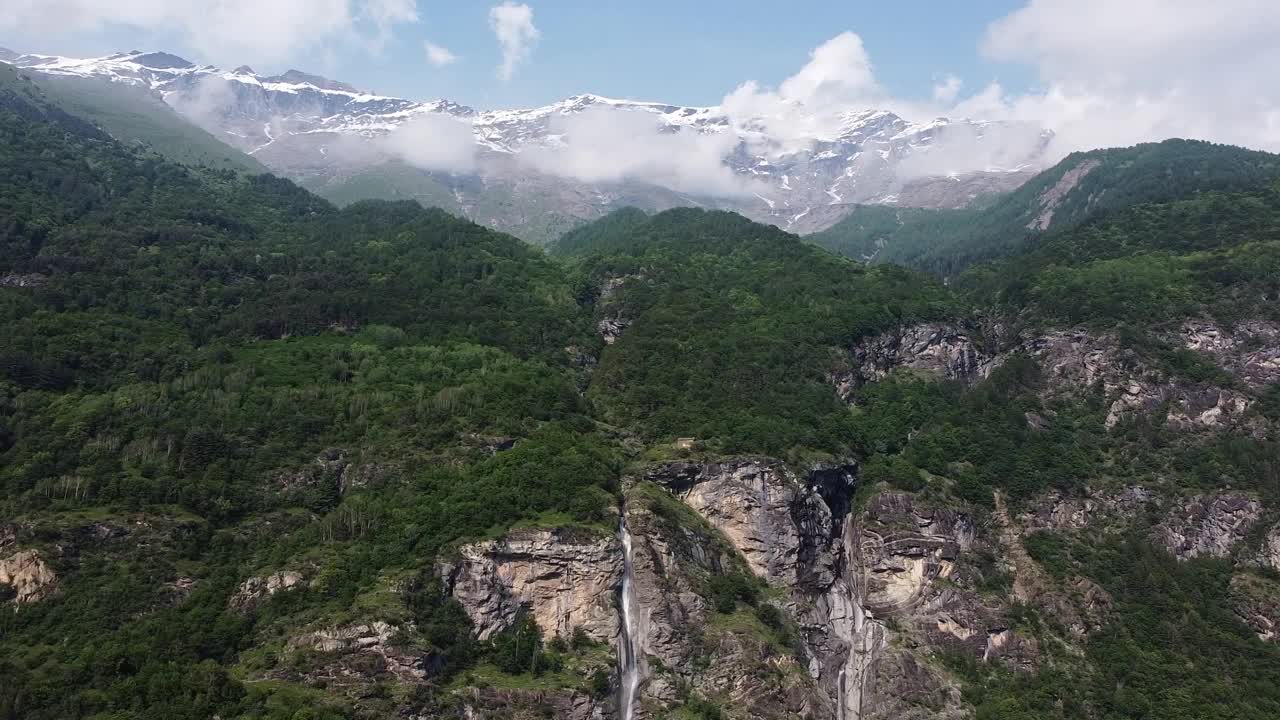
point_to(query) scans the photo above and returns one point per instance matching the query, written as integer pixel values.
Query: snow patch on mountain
(313, 128)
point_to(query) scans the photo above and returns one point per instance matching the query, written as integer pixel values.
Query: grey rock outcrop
(674, 553)
(349, 644)
(565, 579)
(1077, 360)
(1208, 526)
(22, 280)
(848, 575)
(946, 351)
(1250, 350)
(1256, 601)
(253, 591)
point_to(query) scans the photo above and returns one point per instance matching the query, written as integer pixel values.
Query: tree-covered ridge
(226, 255)
(1213, 254)
(1082, 186)
(184, 351)
(730, 326)
(206, 378)
(135, 116)
(600, 236)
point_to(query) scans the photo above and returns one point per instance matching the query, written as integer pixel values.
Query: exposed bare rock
(22, 280)
(750, 502)
(1269, 554)
(177, 591)
(847, 574)
(333, 472)
(946, 351)
(1051, 198)
(256, 589)
(674, 553)
(905, 548)
(374, 639)
(614, 319)
(1208, 526)
(565, 579)
(1256, 601)
(1199, 526)
(1073, 361)
(1250, 350)
(611, 328)
(28, 576)
(1059, 512)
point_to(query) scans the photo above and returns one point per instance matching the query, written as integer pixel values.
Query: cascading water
(865, 635)
(629, 647)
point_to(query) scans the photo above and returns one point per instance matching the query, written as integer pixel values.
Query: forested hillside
(1082, 186)
(261, 457)
(132, 115)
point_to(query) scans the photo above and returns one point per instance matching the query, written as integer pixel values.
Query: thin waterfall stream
(629, 650)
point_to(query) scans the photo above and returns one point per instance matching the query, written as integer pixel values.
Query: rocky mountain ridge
(329, 136)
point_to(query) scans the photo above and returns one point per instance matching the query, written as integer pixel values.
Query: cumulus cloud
(946, 90)
(606, 145)
(1141, 70)
(839, 76)
(512, 23)
(438, 55)
(1109, 74)
(433, 142)
(226, 31)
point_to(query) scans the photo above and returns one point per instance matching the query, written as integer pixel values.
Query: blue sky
(669, 50)
(1095, 72)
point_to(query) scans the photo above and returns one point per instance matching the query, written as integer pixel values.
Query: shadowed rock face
(946, 351)
(565, 580)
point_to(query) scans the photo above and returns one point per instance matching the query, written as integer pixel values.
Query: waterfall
(865, 635)
(629, 647)
(840, 687)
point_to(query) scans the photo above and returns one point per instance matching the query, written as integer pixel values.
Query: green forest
(182, 342)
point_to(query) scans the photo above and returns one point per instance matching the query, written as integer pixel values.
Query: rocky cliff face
(27, 576)
(1076, 360)
(849, 575)
(566, 580)
(946, 351)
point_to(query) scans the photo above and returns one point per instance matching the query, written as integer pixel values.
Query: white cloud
(838, 77)
(838, 71)
(1115, 73)
(434, 142)
(225, 31)
(512, 23)
(605, 145)
(946, 90)
(384, 15)
(438, 55)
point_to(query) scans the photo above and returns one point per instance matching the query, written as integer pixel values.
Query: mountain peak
(161, 60)
(297, 77)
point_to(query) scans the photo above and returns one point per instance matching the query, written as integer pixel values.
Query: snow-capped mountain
(332, 137)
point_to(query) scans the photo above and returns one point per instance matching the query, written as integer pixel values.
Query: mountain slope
(1080, 187)
(262, 457)
(134, 117)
